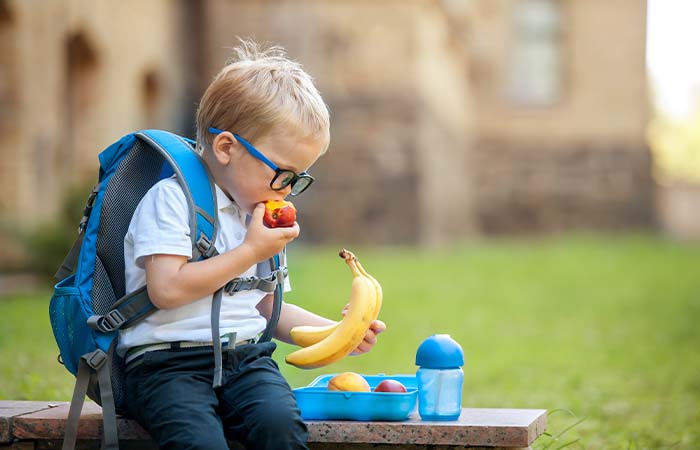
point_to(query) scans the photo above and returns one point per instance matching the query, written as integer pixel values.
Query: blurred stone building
(449, 118)
(74, 76)
(562, 112)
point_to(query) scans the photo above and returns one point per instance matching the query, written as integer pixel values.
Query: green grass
(601, 330)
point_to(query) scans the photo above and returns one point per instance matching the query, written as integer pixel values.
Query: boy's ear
(223, 147)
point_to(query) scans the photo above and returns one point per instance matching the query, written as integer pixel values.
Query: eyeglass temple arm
(252, 150)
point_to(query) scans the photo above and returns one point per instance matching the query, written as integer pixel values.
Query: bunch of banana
(309, 335)
(327, 344)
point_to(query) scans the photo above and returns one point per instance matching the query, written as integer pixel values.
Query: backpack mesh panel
(136, 174)
(102, 292)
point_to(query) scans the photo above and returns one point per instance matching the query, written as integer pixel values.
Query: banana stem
(351, 261)
(346, 254)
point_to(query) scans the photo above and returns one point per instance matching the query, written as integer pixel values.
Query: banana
(377, 286)
(349, 332)
(306, 335)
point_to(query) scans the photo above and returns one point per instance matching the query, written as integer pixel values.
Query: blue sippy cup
(440, 378)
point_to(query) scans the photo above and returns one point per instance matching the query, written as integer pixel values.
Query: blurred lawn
(601, 330)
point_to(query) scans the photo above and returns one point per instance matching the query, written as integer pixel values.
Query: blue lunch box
(316, 402)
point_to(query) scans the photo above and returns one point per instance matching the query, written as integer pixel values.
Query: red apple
(279, 213)
(390, 386)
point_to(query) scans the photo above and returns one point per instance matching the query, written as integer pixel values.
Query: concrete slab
(506, 428)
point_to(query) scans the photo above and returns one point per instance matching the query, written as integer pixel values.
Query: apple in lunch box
(279, 214)
(390, 386)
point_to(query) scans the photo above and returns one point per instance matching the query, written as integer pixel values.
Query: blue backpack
(90, 304)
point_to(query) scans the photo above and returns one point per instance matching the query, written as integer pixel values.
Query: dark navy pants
(170, 394)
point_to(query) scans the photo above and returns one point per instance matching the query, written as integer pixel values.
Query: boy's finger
(258, 212)
(291, 232)
(377, 326)
(370, 337)
(361, 349)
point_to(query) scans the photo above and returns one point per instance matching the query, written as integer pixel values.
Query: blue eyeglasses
(283, 177)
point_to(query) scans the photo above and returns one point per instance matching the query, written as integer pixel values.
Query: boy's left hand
(376, 327)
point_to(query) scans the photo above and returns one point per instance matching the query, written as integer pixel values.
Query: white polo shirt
(160, 226)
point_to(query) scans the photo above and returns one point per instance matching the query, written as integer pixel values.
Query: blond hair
(257, 91)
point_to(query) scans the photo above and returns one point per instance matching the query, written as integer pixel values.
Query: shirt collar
(222, 200)
(226, 205)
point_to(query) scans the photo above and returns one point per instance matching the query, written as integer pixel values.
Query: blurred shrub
(47, 243)
(46, 247)
(675, 144)
(14, 257)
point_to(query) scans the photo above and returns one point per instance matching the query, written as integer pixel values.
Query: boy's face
(246, 179)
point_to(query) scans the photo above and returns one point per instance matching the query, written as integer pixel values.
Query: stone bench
(27, 425)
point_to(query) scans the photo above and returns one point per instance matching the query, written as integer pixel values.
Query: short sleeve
(160, 223)
(287, 287)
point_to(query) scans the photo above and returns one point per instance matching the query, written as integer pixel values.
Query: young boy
(266, 101)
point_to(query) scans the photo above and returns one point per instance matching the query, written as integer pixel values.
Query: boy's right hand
(266, 242)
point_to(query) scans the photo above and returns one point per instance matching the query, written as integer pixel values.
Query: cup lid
(440, 351)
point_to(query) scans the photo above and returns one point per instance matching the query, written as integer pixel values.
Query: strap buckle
(267, 284)
(205, 246)
(107, 323)
(96, 359)
(240, 284)
(88, 208)
(279, 275)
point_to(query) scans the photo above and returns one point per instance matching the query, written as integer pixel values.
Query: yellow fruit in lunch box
(349, 382)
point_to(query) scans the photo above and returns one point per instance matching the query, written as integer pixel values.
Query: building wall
(582, 160)
(679, 213)
(82, 74)
(604, 94)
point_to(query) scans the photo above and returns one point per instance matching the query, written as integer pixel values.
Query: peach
(279, 213)
(349, 382)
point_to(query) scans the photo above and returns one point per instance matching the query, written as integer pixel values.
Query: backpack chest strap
(136, 306)
(265, 284)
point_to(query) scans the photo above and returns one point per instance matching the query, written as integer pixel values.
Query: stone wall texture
(80, 74)
(582, 186)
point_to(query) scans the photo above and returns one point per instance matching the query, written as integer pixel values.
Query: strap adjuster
(279, 275)
(205, 246)
(113, 320)
(96, 359)
(267, 284)
(107, 323)
(88, 209)
(240, 284)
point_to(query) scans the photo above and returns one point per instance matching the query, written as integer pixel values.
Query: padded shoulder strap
(197, 183)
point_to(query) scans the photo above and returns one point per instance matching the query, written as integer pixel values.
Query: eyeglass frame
(259, 155)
